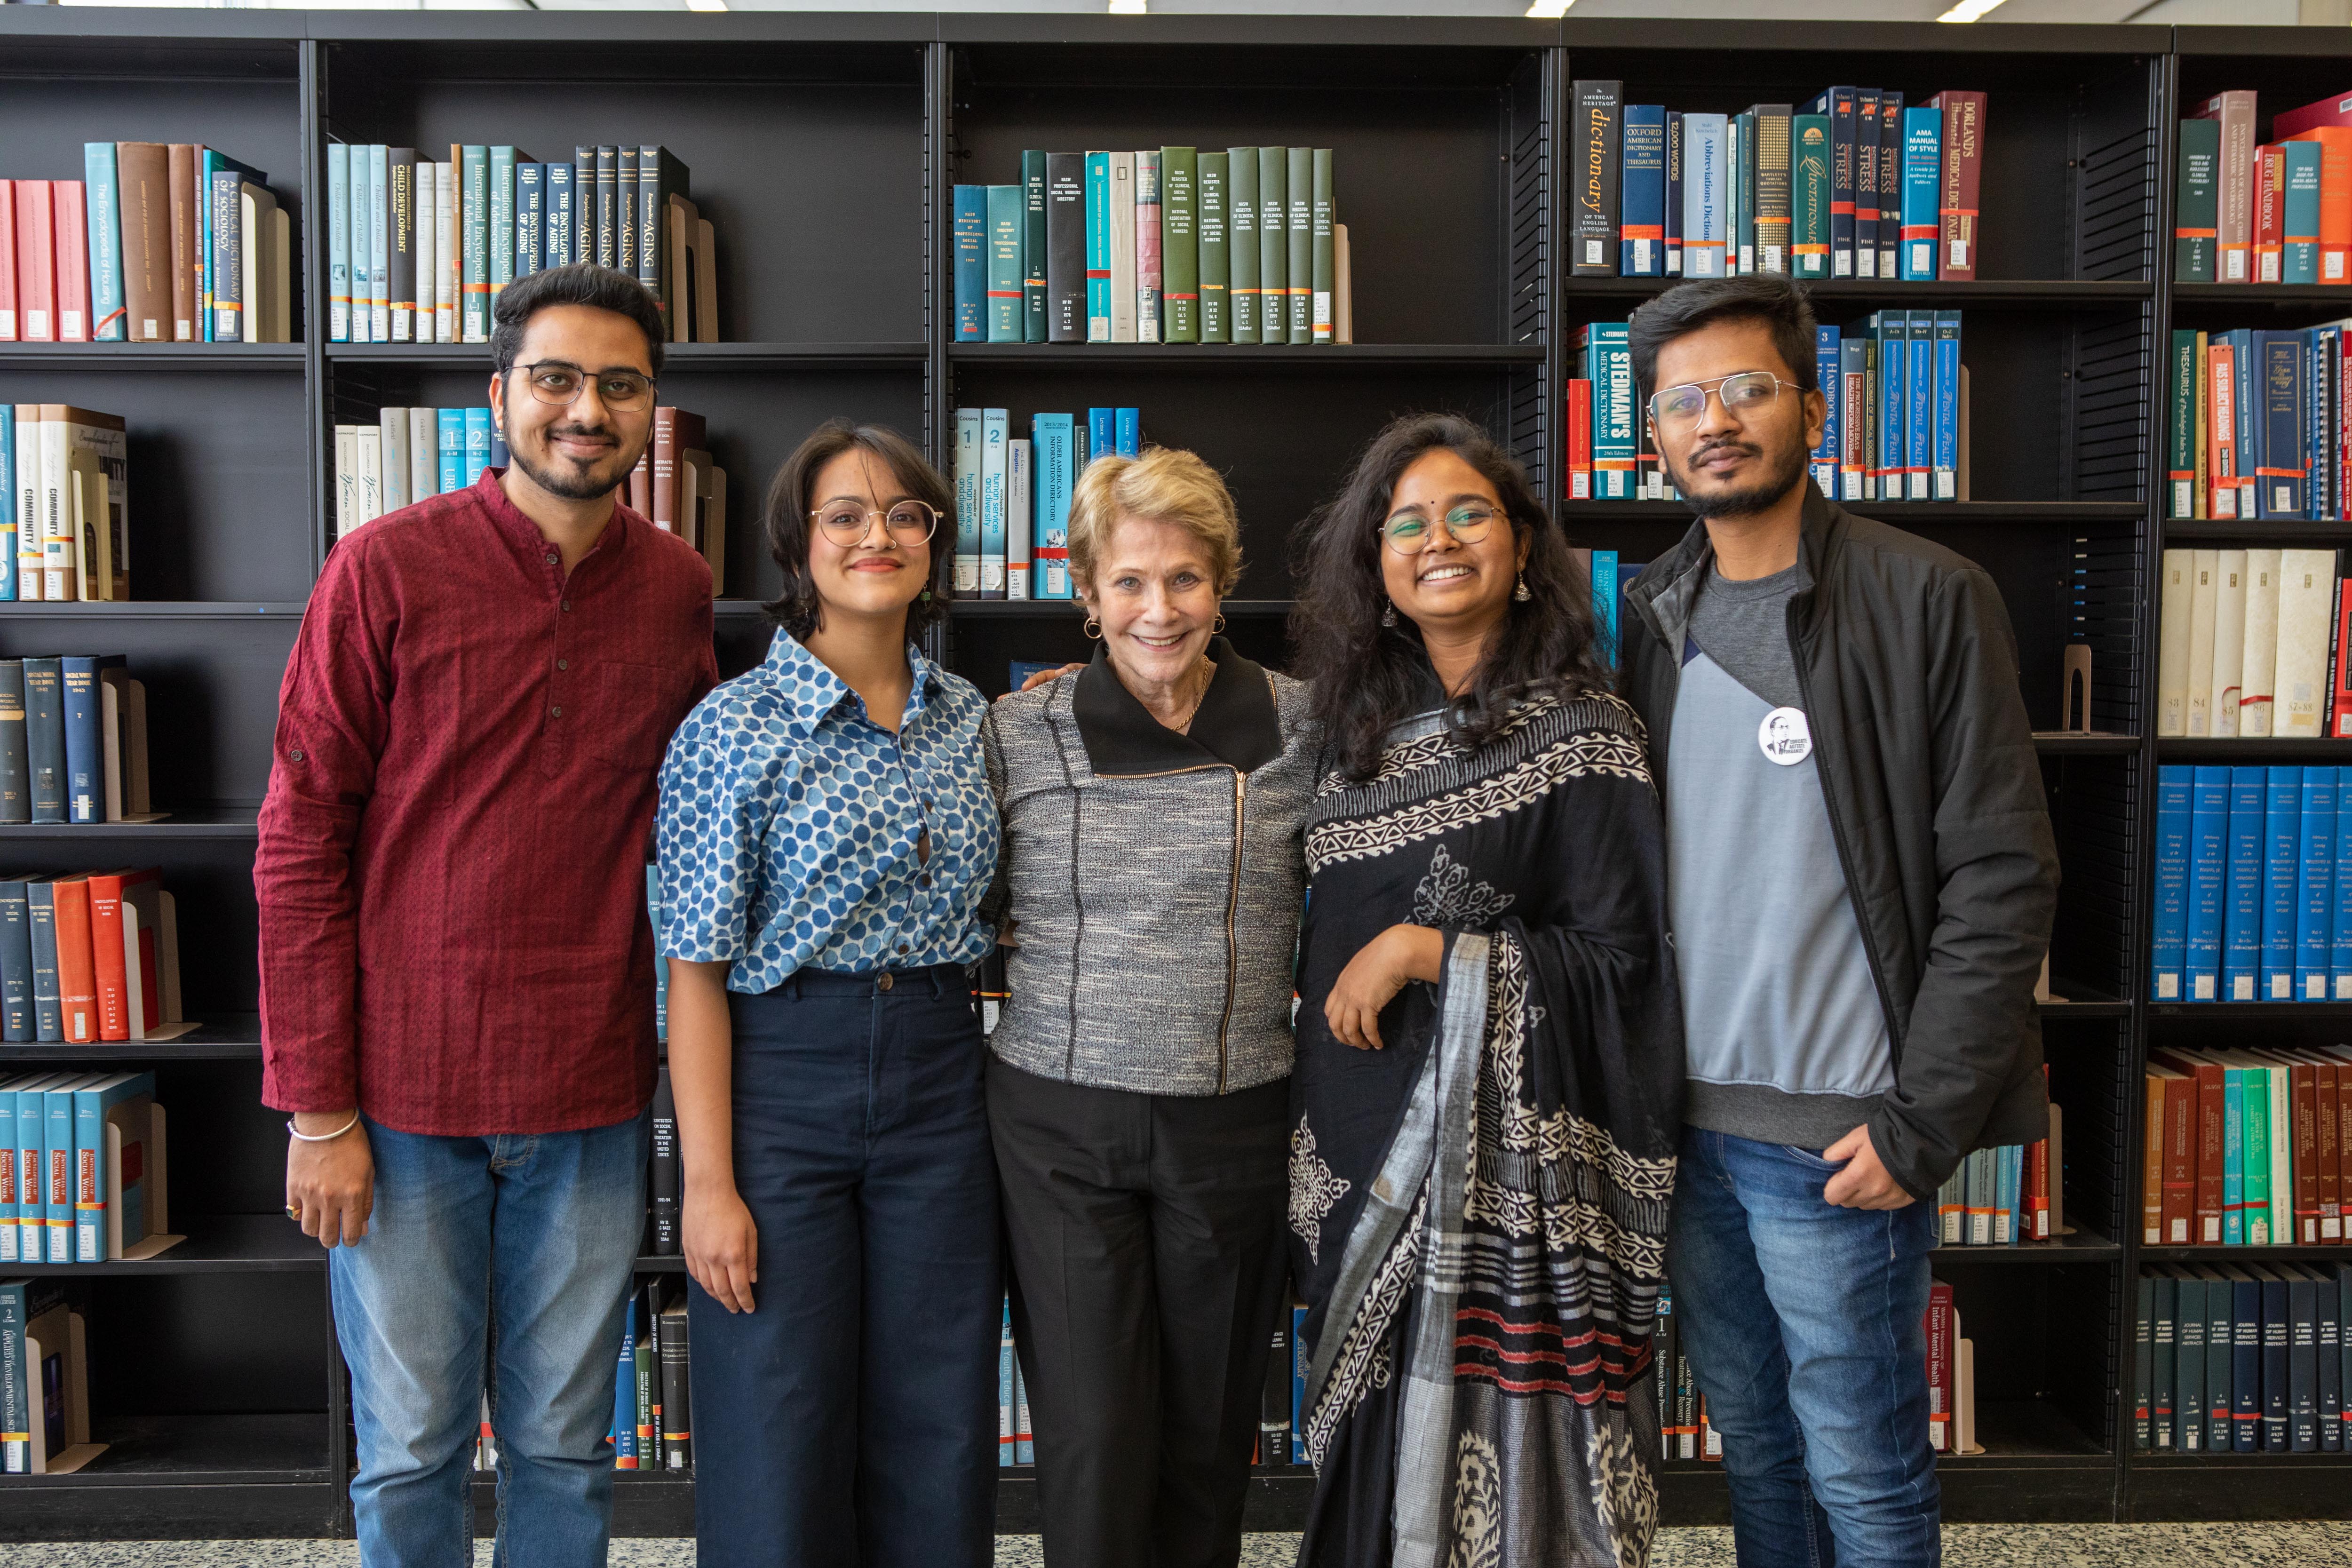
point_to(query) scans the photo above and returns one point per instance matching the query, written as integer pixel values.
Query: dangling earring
(1520, 593)
(1388, 616)
(1093, 629)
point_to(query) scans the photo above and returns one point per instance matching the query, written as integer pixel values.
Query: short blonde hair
(1164, 485)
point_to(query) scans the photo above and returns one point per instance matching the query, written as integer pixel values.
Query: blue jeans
(524, 1242)
(1802, 1325)
(849, 1419)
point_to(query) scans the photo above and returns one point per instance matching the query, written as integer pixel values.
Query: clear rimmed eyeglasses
(1408, 533)
(559, 383)
(1677, 408)
(907, 523)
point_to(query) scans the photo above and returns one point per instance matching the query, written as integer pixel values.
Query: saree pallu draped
(1478, 1210)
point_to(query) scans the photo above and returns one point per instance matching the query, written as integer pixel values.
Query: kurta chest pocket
(631, 710)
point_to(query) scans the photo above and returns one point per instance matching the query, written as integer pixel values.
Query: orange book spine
(112, 982)
(1579, 440)
(77, 973)
(2335, 200)
(2151, 1172)
(2037, 1190)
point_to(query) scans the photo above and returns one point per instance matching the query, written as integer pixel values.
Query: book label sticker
(1784, 736)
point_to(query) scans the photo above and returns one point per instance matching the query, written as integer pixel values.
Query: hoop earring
(1520, 593)
(1220, 623)
(1388, 616)
(1093, 629)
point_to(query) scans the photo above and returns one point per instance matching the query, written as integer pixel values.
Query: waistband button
(884, 983)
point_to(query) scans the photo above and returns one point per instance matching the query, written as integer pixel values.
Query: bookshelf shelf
(204, 822)
(676, 357)
(2086, 1246)
(1258, 357)
(2317, 296)
(1982, 293)
(2264, 749)
(151, 356)
(2180, 531)
(157, 610)
(216, 1244)
(1902, 514)
(2242, 1013)
(2062, 743)
(197, 1449)
(2311, 1253)
(229, 1037)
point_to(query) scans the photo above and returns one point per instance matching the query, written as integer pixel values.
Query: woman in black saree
(1487, 1096)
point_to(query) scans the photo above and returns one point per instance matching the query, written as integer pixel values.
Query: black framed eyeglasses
(907, 523)
(1751, 392)
(559, 383)
(1409, 532)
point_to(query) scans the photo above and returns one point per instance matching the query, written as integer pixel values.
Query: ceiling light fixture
(706, 5)
(1545, 10)
(1968, 10)
(1127, 8)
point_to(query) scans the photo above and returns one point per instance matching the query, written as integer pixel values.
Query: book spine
(602, 242)
(1003, 307)
(561, 223)
(2208, 874)
(2314, 884)
(1097, 247)
(1890, 184)
(2299, 213)
(2196, 201)
(1775, 214)
(1825, 372)
(1051, 436)
(624, 1393)
(1066, 280)
(500, 230)
(1919, 396)
(531, 219)
(478, 443)
(1036, 310)
(2282, 415)
(1642, 192)
(16, 982)
(1579, 440)
(2282, 861)
(1019, 530)
(227, 261)
(41, 926)
(1322, 258)
(378, 202)
(45, 737)
(449, 243)
(995, 430)
(2334, 144)
(1180, 244)
(425, 261)
(1597, 110)
(662, 1178)
(2277, 1378)
(2235, 111)
(1866, 132)
(1922, 174)
(2180, 460)
(1703, 195)
(1273, 243)
(2242, 920)
(1743, 189)
(1673, 207)
(1945, 440)
(103, 245)
(1613, 412)
(966, 478)
(2168, 923)
(1298, 219)
(971, 264)
(1126, 259)
(85, 761)
(475, 229)
(15, 774)
(1243, 256)
(1213, 177)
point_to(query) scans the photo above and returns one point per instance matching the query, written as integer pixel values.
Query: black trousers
(1148, 1269)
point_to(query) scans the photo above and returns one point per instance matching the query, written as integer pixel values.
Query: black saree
(1478, 1210)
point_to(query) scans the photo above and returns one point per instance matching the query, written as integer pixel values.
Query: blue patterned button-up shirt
(789, 822)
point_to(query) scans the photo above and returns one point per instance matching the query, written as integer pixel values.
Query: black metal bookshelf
(824, 147)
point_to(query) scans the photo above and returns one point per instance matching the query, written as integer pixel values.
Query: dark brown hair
(580, 283)
(1366, 675)
(789, 499)
(1775, 298)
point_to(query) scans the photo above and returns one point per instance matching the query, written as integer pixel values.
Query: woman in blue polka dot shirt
(825, 836)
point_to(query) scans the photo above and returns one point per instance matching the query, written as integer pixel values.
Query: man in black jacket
(1860, 882)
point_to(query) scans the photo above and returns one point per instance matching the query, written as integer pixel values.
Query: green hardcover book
(1244, 250)
(2197, 201)
(1273, 247)
(1744, 236)
(1809, 197)
(1179, 245)
(1299, 236)
(1033, 248)
(1321, 261)
(478, 243)
(501, 231)
(1216, 262)
(2254, 1115)
(2180, 465)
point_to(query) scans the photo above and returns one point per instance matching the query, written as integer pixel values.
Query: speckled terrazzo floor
(1965, 1546)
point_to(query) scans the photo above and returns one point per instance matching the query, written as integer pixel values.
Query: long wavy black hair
(1366, 675)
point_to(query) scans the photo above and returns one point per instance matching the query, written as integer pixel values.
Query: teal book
(2255, 1117)
(1097, 249)
(478, 443)
(379, 243)
(21, 1301)
(9, 533)
(338, 243)
(102, 195)
(1005, 315)
(1056, 474)
(966, 477)
(57, 1166)
(1607, 361)
(969, 263)
(475, 263)
(1127, 427)
(2299, 214)
(449, 429)
(8, 1204)
(106, 1219)
(1034, 301)
(501, 235)
(995, 431)
(2234, 1157)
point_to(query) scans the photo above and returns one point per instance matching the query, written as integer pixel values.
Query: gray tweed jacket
(1156, 880)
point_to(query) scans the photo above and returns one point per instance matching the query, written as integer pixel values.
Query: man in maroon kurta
(456, 971)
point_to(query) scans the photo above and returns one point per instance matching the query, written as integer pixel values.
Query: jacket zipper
(1845, 856)
(1233, 948)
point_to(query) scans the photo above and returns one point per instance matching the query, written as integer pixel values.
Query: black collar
(1236, 725)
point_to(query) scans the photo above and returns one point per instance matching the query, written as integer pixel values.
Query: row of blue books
(1015, 1444)
(1898, 397)
(2250, 906)
(1013, 496)
(2255, 427)
(2243, 1358)
(651, 1389)
(78, 1162)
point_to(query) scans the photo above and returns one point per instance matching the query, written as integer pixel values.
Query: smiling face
(881, 574)
(1452, 587)
(1155, 592)
(585, 449)
(1731, 462)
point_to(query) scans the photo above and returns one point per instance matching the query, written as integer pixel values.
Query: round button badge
(1785, 737)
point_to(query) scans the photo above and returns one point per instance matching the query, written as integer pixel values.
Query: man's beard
(568, 479)
(1749, 498)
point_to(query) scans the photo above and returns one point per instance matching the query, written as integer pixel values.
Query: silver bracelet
(322, 1137)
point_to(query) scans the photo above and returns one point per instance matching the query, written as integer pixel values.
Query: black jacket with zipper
(1909, 672)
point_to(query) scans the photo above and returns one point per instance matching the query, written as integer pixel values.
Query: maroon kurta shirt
(451, 869)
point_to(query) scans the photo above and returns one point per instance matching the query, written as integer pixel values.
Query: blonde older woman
(1153, 806)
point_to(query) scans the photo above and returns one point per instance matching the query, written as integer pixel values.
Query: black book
(2301, 1362)
(677, 1442)
(400, 244)
(663, 1178)
(2327, 1309)
(2164, 1373)
(625, 222)
(1866, 134)
(1597, 109)
(608, 207)
(45, 737)
(583, 204)
(1065, 247)
(16, 784)
(660, 176)
(2143, 1360)
(1274, 1409)
(2276, 1331)
(1890, 183)
(1033, 249)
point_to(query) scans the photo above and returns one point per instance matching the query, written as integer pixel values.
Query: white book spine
(427, 272)
(392, 425)
(2305, 619)
(1019, 541)
(424, 452)
(2229, 640)
(2261, 641)
(995, 430)
(371, 466)
(967, 500)
(347, 479)
(2204, 601)
(446, 240)
(1122, 247)
(2172, 644)
(27, 501)
(58, 579)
